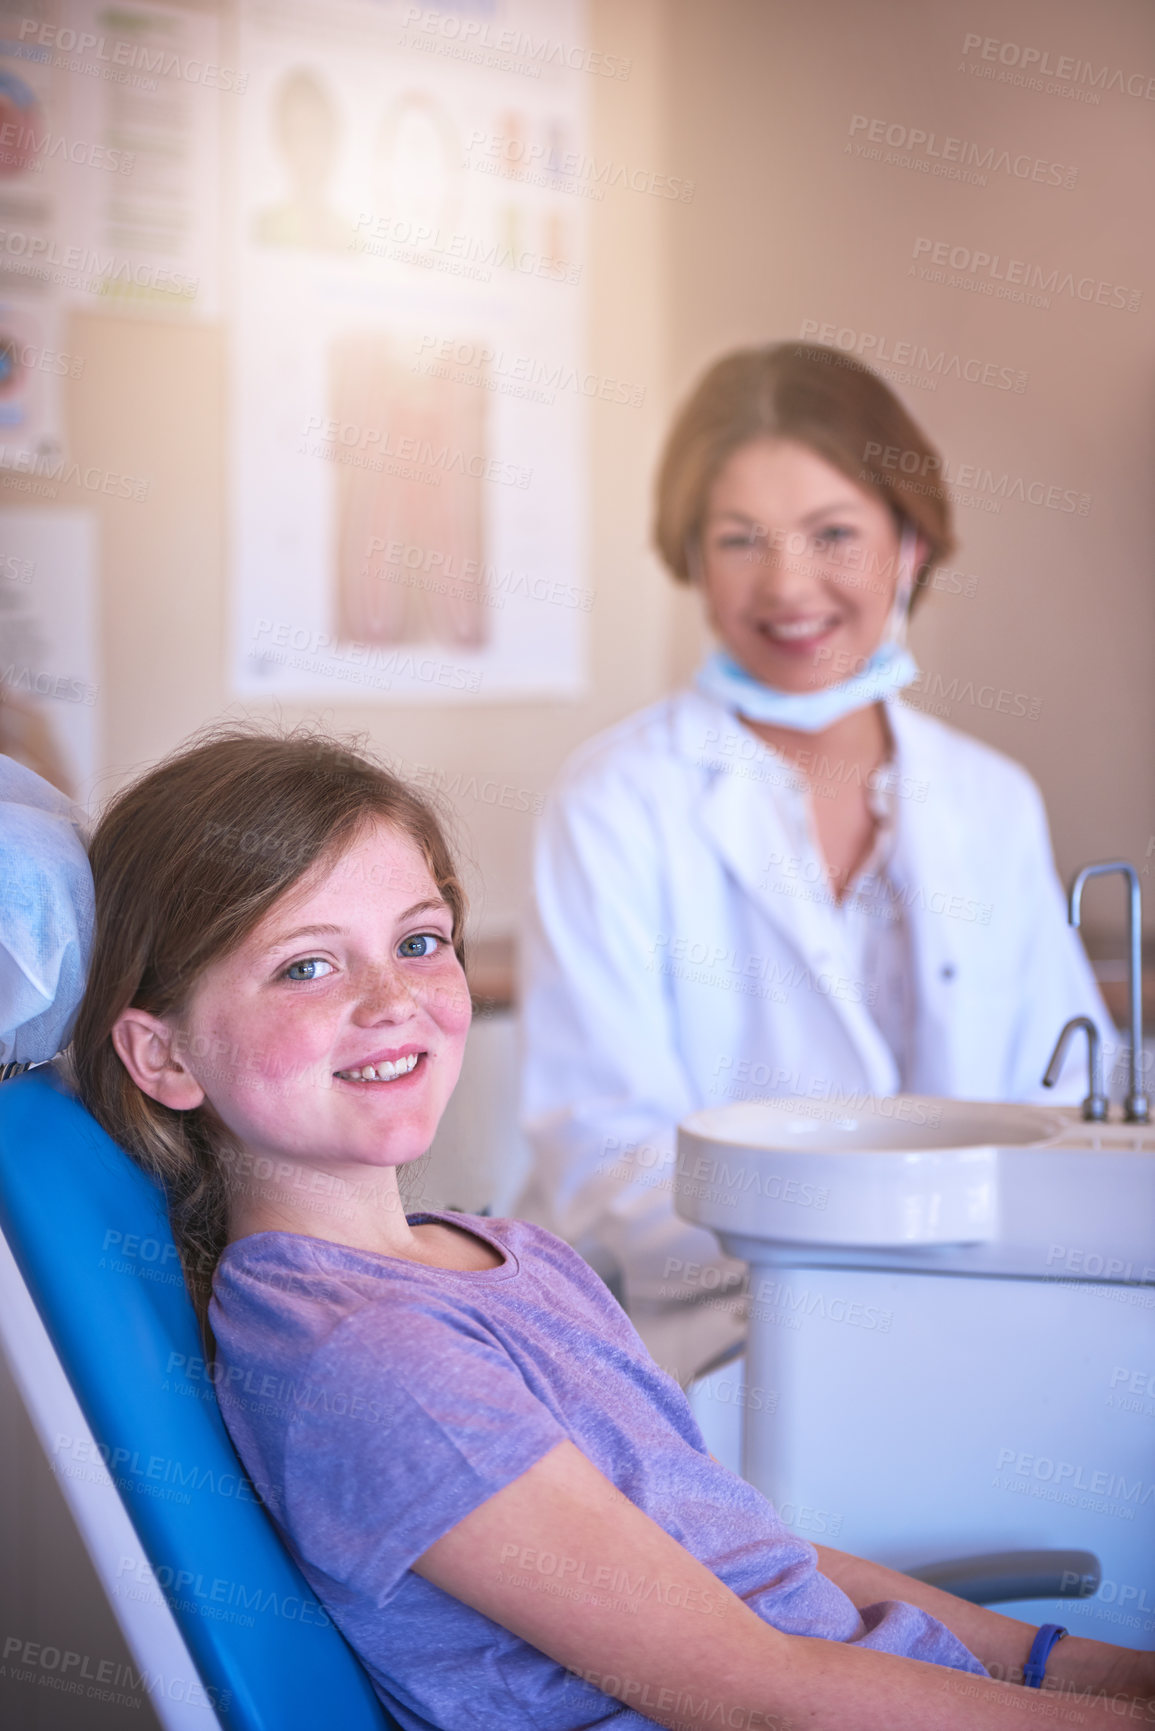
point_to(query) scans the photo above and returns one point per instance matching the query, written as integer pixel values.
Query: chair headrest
(46, 916)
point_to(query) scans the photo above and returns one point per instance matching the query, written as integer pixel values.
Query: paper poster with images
(110, 154)
(49, 690)
(32, 186)
(409, 497)
(147, 88)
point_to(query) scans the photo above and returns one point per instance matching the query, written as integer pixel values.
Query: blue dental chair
(88, 1232)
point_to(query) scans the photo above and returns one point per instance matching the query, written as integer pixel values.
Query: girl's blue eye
(427, 942)
(308, 969)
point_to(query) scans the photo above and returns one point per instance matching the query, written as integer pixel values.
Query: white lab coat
(677, 959)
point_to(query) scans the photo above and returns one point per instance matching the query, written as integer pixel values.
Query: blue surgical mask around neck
(888, 671)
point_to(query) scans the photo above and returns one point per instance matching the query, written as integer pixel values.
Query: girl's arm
(1002, 1643)
(691, 1654)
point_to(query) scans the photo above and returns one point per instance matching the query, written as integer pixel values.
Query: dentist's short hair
(818, 397)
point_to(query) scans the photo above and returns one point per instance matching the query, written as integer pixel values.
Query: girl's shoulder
(286, 1285)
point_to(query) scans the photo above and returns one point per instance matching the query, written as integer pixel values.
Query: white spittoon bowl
(882, 1172)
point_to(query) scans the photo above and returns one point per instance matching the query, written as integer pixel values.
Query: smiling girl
(500, 1499)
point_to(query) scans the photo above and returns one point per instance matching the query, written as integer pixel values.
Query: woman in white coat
(782, 880)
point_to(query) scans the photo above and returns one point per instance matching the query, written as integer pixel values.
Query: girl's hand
(1079, 1669)
(1119, 1672)
(1085, 1669)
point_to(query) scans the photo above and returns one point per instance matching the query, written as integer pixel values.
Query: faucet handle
(1095, 1105)
(1136, 1106)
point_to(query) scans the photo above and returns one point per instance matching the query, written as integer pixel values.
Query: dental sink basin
(913, 1181)
(964, 1289)
(900, 1171)
(895, 1124)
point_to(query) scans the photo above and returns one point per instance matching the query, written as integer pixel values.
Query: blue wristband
(1036, 1666)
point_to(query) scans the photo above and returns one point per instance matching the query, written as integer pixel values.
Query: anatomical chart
(408, 438)
(31, 187)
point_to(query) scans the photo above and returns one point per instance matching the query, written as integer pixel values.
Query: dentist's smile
(800, 633)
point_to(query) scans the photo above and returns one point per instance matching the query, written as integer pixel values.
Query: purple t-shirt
(377, 1402)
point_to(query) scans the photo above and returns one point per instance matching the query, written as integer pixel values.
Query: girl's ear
(149, 1049)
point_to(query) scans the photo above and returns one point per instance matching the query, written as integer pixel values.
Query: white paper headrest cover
(46, 915)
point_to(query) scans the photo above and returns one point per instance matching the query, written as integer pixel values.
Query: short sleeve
(414, 1414)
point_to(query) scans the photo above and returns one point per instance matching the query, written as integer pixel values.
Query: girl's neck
(361, 1208)
(379, 1227)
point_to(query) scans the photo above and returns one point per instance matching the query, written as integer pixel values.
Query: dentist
(782, 880)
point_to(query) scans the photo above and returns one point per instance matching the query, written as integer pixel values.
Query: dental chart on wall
(30, 305)
(110, 167)
(408, 388)
(149, 114)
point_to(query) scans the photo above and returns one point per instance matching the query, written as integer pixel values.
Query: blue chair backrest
(91, 1236)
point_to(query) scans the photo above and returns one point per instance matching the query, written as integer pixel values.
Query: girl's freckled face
(352, 967)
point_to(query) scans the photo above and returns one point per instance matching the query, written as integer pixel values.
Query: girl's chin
(396, 1154)
(347, 1157)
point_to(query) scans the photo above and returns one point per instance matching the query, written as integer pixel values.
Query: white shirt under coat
(687, 951)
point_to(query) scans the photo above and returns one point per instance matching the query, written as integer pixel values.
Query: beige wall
(752, 100)
(787, 227)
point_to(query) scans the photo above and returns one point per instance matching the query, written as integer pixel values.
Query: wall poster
(408, 411)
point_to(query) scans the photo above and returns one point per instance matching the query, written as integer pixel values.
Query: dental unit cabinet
(951, 1343)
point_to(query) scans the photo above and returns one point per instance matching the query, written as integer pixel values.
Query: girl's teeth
(383, 1072)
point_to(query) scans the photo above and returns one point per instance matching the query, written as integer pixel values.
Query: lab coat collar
(712, 738)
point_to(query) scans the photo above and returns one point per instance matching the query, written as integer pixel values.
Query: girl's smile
(386, 1067)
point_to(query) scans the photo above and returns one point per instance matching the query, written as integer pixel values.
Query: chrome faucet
(1095, 1105)
(1135, 1106)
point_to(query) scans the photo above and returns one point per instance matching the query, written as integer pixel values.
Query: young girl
(501, 1500)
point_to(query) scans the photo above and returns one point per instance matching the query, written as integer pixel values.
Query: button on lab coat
(679, 957)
